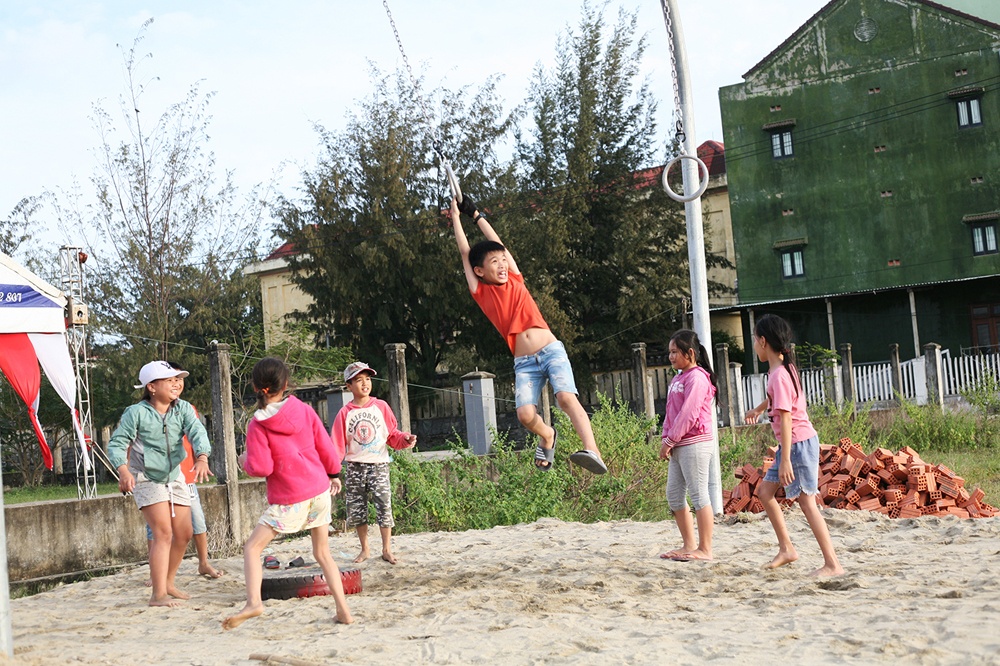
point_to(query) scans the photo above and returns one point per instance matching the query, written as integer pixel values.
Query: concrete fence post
(640, 381)
(739, 405)
(480, 411)
(337, 398)
(399, 396)
(847, 375)
(895, 373)
(935, 374)
(223, 460)
(725, 392)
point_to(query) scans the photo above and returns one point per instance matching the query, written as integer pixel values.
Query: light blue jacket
(157, 440)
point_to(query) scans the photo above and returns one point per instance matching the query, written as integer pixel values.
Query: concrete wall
(73, 536)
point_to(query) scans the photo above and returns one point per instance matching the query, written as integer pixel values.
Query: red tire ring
(309, 582)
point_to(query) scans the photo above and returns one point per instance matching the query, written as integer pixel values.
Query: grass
(470, 492)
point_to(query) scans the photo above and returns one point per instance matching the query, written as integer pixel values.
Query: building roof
(828, 6)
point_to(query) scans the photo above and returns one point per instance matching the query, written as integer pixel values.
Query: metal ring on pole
(456, 191)
(702, 185)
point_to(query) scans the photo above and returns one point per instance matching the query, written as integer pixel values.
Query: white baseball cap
(157, 370)
(355, 369)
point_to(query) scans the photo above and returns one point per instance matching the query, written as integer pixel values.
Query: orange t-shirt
(509, 307)
(187, 465)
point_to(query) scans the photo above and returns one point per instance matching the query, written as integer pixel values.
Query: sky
(278, 69)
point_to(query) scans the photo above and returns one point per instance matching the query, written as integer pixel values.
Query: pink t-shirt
(781, 398)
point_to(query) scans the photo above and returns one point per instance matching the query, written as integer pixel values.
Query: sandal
(589, 461)
(546, 454)
(271, 562)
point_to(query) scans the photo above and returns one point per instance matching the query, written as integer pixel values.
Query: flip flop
(271, 562)
(547, 454)
(589, 461)
(298, 562)
(670, 554)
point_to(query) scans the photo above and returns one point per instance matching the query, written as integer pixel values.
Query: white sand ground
(921, 591)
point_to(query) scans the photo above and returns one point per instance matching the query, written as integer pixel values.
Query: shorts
(197, 514)
(298, 517)
(688, 475)
(364, 480)
(146, 492)
(805, 466)
(531, 371)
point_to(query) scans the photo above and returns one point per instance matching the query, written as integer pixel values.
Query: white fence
(873, 381)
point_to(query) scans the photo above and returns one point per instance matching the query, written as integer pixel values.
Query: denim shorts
(531, 371)
(805, 465)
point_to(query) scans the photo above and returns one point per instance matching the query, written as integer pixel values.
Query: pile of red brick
(899, 485)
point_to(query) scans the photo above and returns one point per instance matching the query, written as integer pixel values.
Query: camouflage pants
(364, 480)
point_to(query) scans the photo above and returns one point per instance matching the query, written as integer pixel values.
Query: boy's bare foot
(388, 557)
(782, 558)
(208, 571)
(177, 594)
(826, 571)
(148, 582)
(167, 601)
(241, 617)
(343, 617)
(364, 555)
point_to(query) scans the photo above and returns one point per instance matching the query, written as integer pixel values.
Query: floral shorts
(146, 492)
(292, 518)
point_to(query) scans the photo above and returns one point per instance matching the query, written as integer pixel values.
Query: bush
(473, 492)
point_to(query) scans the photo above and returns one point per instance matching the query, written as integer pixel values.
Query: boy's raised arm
(463, 247)
(469, 208)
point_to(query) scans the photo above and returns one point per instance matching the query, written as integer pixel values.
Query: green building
(863, 158)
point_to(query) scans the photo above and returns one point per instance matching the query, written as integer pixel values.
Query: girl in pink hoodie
(688, 443)
(288, 445)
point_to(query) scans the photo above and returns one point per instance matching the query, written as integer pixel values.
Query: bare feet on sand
(244, 615)
(388, 557)
(344, 618)
(177, 594)
(827, 571)
(782, 558)
(208, 571)
(167, 600)
(364, 555)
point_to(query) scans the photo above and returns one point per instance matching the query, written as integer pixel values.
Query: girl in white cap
(152, 433)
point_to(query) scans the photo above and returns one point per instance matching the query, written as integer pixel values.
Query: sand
(916, 591)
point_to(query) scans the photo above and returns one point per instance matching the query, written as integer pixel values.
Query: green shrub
(504, 488)
(984, 395)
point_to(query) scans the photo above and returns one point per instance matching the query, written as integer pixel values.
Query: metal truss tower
(71, 261)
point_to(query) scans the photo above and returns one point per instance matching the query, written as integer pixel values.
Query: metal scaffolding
(71, 261)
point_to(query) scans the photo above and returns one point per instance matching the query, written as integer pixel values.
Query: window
(781, 144)
(791, 263)
(969, 113)
(984, 238)
(985, 326)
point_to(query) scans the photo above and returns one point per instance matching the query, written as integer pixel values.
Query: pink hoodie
(293, 451)
(688, 418)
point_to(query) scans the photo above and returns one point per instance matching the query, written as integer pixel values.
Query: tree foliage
(374, 250)
(167, 242)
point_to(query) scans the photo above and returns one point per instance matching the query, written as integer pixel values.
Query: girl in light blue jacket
(151, 435)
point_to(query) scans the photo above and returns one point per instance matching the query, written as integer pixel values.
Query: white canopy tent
(32, 337)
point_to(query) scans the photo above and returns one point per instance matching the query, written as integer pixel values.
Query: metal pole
(695, 229)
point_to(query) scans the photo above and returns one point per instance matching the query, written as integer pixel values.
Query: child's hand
(785, 473)
(665, 450)
(752, 416)
(411, 440)
(126, 482)
(335, 486)
(201, 470)
(242, 460)
(467, 206)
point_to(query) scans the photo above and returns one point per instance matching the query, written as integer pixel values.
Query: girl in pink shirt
(688, 443)
(289, 446)
(797, 468)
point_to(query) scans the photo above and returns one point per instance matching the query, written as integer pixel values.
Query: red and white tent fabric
(33, 333)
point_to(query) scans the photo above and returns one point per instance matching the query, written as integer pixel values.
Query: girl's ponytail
(270, 377)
